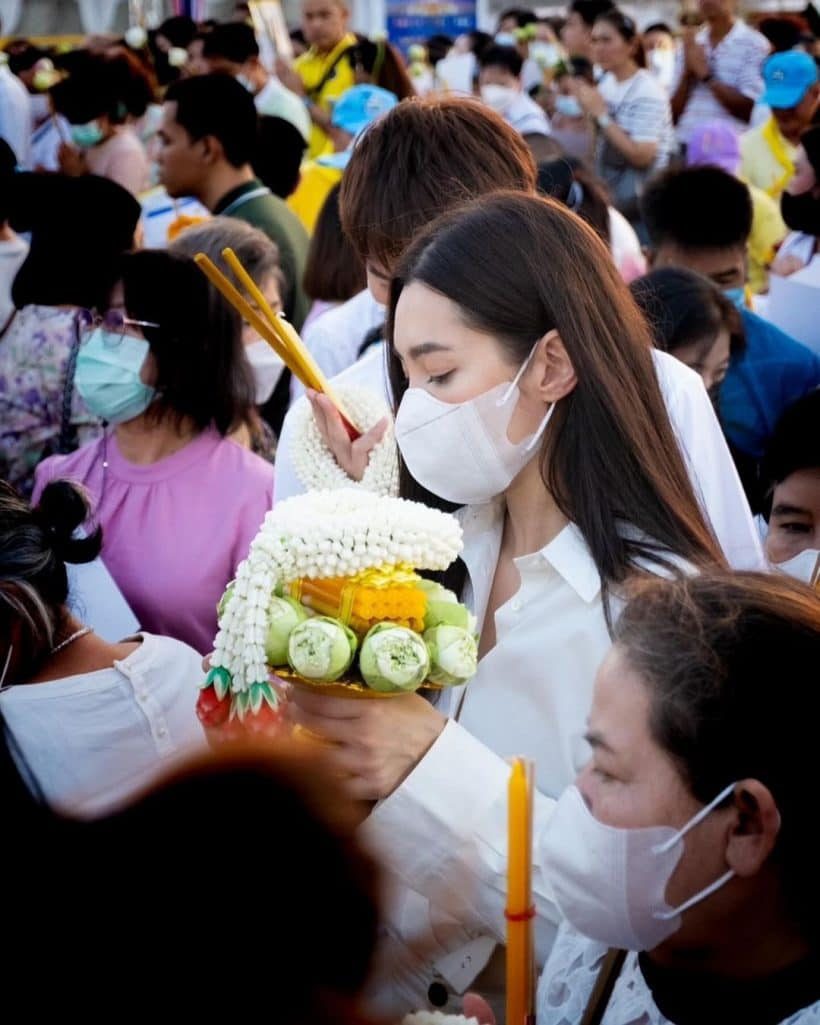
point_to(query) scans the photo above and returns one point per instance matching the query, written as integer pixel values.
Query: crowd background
(591, 217)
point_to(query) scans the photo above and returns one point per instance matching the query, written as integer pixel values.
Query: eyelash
(440, 379)
(604, 777)
(795, 528)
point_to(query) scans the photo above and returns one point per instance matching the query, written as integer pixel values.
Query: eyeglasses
(113, 322)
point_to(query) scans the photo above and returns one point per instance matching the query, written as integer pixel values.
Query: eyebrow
(789, 510)
(597, 742)
(426, 348)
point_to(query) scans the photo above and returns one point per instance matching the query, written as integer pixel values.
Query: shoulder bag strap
(66, 441)
(315, 92)
(604, 984)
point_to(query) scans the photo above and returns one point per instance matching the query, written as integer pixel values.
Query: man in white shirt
(232, 48)
(15, 115)
(719, 71)
(500, 84)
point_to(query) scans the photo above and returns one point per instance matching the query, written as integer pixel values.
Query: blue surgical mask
(568, 106)
(506, 39)
(736, 296)
(108, 376)
(87, 135)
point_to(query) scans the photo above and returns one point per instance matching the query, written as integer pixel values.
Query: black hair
(35, 545)
(684, 308)
(658, 26)
(68, 263)
(179, 31)
(201, 372)
(784, 33)
(479, 42)
(218, 106)
(23, 57)
(795, 442)
(8, 166)
(278, 157)
(697, 208)
(523, 16)
(114, 84)
(506, 57)
(334, 271)
(590, 10)
(438, 46)
(235, 41)
(570, 181)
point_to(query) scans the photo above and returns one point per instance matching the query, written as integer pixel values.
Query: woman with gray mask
(91, 722)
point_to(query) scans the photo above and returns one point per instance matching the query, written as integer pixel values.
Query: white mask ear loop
(6, 667)
(665, 916)
(513, 385)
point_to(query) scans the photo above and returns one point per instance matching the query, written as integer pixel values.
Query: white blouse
(95, 740)
(571, 974)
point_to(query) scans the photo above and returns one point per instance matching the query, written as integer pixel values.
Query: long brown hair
(518, 267)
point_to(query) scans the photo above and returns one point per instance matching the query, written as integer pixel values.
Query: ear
(552, 371)
(212, 151)
(755, 830)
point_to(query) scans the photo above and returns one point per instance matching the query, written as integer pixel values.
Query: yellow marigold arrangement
(330, 596)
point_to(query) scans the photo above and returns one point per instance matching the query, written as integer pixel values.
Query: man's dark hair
(278, 155)
(8, 165)
(697, 208)
(590, 10)
(523, 16)
(234, 41)
(658, 26)
(795, 443)
(217, 105)
(506, 57)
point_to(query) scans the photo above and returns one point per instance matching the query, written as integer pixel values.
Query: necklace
(69, 640)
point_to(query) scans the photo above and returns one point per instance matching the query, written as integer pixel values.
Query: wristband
(603, 121)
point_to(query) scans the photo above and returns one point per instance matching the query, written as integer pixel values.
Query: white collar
(568, 553)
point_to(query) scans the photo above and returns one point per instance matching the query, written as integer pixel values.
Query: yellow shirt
(310, 194)
(759, 164)
(768, 231)
(312, 67)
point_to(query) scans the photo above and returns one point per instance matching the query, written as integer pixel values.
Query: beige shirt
(121, 158)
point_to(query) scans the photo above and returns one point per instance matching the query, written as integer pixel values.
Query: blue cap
(788, 77)
(360, 106)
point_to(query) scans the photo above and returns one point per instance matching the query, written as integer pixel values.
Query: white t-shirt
(12, 254)
(625, 247)
(640, 106)
(15, 115)
(276, 100)
(93, 741)
(526, 116)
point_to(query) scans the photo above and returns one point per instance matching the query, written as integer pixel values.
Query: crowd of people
(555, 282)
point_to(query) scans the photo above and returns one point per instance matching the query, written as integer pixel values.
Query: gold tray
(344, 688)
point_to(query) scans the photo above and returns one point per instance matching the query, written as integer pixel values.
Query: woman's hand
(695, 59)
(352, 456)
(477, 1007)
(72, 160)
(588, 96)
(289, 77)
(373, 745)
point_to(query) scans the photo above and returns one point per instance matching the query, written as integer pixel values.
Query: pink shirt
(173, 531)
(123, 159)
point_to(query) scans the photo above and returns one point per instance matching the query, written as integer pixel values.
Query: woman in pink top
(178, 501)
(102, 98)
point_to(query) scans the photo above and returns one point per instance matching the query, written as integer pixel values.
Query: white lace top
(571, 973)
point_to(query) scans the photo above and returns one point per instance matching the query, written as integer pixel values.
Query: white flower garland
(437, 1018)
(315, 464)
(316, 536)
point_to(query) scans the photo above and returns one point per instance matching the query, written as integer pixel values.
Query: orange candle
(520, 953)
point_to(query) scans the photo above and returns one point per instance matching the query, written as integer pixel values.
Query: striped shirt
(640, 107)
(737, 60)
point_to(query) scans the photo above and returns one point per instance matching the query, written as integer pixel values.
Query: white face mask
(267, 369)
(568, 106)
(498, 97)
(246, 83)
(460, 450)
(610, 883)
(805, 566)
(545, 55)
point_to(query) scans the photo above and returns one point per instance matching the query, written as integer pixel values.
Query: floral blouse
(34, 360)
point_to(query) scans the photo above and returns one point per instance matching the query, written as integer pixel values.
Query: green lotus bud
(321, 649)
(443, 607)
(453, 655)
(284, 615)
(393, 658)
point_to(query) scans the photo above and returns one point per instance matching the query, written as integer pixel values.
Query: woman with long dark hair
(526, 393)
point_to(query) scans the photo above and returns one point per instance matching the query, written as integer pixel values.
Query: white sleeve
(710, 463)
(443, 832)
(285, 481)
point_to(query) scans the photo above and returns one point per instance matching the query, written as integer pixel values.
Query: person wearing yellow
(715, 143)
(326, 71)
(792, 93)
